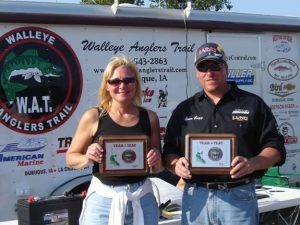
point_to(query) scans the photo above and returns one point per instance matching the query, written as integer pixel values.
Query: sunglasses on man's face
(117, 81)
(202, 67)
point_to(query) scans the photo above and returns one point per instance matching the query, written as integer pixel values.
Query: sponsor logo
(148, 95)
(41, 80)
(217, 51)
(63, 144)
(282, 90)
(241, 111)
(282, 43)
(240, 118)
(24, 145)
(241, 76)
(21, 152)
(284, 106)
(283, 46)
(24, 160)
(240, 114)
(162, 97)
(287, 130)
(241, 58)
(283, 69)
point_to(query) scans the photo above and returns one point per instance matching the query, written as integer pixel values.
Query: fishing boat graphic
(25, 145)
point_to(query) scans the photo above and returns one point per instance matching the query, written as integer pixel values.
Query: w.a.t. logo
(41, 80)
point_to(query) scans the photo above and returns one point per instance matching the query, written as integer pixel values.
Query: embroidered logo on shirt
(240, 114)
(241, 111)
(194, 118)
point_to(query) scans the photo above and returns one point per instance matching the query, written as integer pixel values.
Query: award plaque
(125, 155)
(210, 153)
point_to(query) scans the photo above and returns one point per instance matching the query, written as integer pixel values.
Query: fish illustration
(27, 65)
(25, 145)
(283, 68)
(113, 160)
(199, 157)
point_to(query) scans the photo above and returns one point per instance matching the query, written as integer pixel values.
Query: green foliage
(110, 2)
(211, 5)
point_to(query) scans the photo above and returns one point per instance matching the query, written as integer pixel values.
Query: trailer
(52, 57)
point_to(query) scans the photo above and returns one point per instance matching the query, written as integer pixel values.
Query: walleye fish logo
(40, 80)
(27, 66)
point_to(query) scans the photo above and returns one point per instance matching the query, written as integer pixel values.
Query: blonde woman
(117, 200)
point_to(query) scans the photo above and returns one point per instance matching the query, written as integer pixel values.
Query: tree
(211, 5)
(110, 2)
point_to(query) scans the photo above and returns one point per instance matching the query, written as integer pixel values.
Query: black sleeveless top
(108, 127)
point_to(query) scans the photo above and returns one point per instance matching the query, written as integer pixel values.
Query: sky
(266, 7)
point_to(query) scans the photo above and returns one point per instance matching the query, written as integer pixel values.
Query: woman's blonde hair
(104, 98)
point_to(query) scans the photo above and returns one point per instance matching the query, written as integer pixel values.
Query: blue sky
(267, 7)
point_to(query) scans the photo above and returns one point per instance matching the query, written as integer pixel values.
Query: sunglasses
(201, 67)
(117, 81)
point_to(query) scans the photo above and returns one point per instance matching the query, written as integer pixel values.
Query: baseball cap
(210, 51)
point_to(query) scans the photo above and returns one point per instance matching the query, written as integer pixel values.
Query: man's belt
(224, 185)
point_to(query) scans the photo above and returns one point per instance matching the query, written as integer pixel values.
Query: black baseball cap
(210, 51)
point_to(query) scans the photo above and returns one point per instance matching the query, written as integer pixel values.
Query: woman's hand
(94, 153)
(154, 160)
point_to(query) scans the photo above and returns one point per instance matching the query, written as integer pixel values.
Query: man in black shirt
(221, 107)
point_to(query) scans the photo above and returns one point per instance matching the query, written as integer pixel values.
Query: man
(221, 107)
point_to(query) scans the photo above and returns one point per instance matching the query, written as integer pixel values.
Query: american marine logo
(41, 80)
(25, 145)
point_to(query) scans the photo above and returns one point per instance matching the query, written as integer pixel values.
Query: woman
(118, 113)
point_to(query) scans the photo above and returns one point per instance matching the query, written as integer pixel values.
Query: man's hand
(241, 166)
(182, 168)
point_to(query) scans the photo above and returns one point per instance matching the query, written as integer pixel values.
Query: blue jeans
(97, 208)
(234, 206)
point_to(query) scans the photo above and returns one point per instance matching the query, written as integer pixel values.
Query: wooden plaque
(210, 153)
(125, 155)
